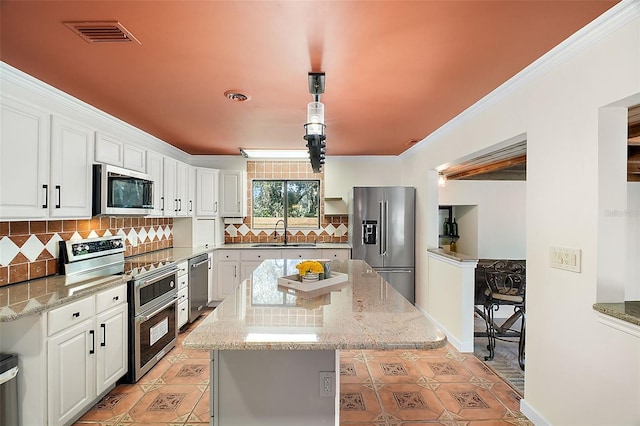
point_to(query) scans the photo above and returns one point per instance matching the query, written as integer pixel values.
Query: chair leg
(521, 341)
(491, 331)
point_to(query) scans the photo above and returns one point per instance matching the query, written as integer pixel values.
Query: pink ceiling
(395, 70)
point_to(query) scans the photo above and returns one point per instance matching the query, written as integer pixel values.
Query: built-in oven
(153, 331)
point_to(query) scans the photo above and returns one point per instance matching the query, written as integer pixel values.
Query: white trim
(619, 324)
(532, 414)
(466, 264)
(610, 21)
(460, 346)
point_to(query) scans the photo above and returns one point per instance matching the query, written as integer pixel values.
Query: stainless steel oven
(153, 315)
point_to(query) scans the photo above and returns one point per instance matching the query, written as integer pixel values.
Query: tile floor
(378, 388)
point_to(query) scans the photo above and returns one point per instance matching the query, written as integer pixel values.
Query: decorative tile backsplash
(333, 229)
(29, 249)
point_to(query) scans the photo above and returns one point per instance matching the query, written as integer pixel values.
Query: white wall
(343, 173)
(632, 290)
(501, 216)
(579, 372)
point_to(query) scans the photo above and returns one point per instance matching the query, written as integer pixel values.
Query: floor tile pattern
(378, 388)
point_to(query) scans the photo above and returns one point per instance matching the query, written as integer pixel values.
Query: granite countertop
(366, 313)
(40, 295)
(628, 311)
(278, 246)
(35, 296)
(452, 255)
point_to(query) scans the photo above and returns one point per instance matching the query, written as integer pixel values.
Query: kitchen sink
(284, 245)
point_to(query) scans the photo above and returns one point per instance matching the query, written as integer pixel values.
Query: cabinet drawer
(260, 254)
(336, 254)
(183, 313)
(183, 282)
(183, 268)
(110, 298)
(69, 315)
(183, 295)
(301, 254)
(228, 255)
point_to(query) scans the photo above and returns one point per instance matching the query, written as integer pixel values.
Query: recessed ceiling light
(236, 96)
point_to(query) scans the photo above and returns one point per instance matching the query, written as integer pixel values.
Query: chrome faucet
(275, 230)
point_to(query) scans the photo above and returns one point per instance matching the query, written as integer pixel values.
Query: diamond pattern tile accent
(352, 402)
(166, 402)
(32, 248)
(244, 229)
(409, 400)
(151, 234)
(8, 250)
(132, 237)
(469, 399)
(142, 235)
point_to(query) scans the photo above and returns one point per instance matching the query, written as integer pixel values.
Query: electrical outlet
(566, 258)
(327, 383)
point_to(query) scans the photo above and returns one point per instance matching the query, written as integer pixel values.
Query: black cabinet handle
(190, 206)
(115, 298)
(162, 199)
(180, 204)
(46, 196)
(93, 341)
(59, 196)
(76, 315)
(104, 335)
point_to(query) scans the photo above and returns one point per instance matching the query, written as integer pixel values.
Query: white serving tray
(291, 284)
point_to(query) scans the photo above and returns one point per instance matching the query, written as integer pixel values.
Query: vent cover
(101, 32)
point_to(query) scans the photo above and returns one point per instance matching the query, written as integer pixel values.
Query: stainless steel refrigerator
(382, 233)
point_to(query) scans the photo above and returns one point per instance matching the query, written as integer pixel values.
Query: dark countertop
(628, 311)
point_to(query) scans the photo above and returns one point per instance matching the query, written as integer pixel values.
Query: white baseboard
(533, 415)
(459, 345)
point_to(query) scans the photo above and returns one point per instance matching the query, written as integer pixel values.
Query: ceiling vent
(101, 32)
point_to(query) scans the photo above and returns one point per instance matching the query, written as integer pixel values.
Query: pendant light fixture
(315, 127)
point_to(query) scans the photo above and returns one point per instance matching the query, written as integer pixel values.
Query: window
(297, 202)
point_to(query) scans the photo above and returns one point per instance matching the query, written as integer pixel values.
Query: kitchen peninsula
(275, 355)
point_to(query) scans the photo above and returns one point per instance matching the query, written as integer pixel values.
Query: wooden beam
(488, 168)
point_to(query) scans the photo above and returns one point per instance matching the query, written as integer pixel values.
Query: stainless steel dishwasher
(198, 285)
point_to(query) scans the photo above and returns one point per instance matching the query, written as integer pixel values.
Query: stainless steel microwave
(118, 191)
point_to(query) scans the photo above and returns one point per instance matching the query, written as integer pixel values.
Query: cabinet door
(109, 150)
(183, 312)
(70, 372)
(169, 170)
(111, 347)
(232, 193)
(135, 158)
(207, 187)
(211, 284)
(307, 254)
(191, 211)
(154, 169)
(182, 189)
(24, 161)
(71, 159)
(228, 278)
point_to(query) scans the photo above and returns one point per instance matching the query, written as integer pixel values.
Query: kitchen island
(275, 354)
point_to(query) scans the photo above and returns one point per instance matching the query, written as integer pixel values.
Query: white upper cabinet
(46, 165)
(110, 150)
(207, 192)
(191, 202)
(24, 161)
(170, 200)
(71, 172)
(154, 169)
(233, 193)
(182, 188)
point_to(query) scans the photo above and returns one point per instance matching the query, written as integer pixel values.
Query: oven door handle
(147, 317)
(153, 279)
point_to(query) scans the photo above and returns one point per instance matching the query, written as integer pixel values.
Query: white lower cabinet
(86, 352)
(183, 307)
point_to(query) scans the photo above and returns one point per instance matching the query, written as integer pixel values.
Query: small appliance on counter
(383, 234)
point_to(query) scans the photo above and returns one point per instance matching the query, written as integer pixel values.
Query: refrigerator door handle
(386, 226)
(381, 229)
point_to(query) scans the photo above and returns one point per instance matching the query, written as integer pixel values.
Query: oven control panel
(74, 251)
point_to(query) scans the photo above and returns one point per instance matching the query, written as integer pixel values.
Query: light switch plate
(568, 259)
